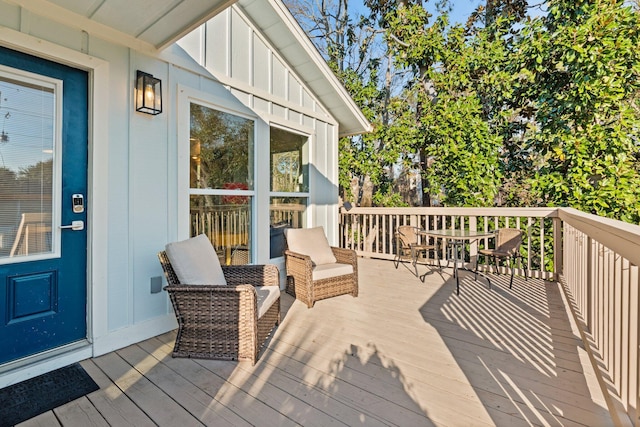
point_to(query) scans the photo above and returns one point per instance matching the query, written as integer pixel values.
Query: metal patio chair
(507, 248)
(410, 248)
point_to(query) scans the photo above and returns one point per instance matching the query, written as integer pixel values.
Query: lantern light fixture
(148, 93)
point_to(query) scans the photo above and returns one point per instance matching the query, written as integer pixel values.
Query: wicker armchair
(221, 321)
(301, 270)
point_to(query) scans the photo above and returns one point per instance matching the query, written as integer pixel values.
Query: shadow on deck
(402, 353)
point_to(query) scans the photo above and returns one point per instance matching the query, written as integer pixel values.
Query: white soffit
(285, 34)
(152, 25)
(139, 24)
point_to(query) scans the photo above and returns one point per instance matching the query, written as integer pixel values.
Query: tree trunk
(426, 198)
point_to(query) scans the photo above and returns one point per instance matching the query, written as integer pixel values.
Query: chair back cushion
(195, 262)
(312, 242)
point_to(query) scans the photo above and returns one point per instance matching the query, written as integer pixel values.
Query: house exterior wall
(136, 201)
(241, 58)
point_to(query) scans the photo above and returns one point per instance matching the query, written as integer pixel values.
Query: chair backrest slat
(408, 234)
(509, 240)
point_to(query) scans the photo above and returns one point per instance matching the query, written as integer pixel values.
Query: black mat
(32, 397)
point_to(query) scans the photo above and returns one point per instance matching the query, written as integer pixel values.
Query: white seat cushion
(195, 262)
(326, 271)
(312, 242)
(267, 295)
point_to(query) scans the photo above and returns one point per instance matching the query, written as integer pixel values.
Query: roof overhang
(144, 25)
(152, 25)
(283, 31)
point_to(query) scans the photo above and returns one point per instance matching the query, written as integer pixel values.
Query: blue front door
(43, 191)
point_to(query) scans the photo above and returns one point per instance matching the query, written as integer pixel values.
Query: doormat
(40, 394)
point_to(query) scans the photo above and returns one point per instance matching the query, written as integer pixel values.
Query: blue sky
(460, 9)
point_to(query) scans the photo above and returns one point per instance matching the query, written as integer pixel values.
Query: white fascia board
(308, 49)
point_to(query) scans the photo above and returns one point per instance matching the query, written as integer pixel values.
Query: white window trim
(220, 102)
(56, 203)
(310, 135)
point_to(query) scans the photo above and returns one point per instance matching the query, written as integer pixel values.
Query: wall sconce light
(148, 93)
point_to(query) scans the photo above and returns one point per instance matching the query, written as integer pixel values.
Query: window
(221, 181)
(28, 165)
(289, 185)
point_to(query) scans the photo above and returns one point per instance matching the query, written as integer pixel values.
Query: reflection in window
(289, 162)
(289, 185)
(286, 212)
(226, 220)
(221, 149)
(27, 109)
(221, 181)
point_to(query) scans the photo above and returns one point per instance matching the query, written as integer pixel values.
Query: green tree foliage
(505, 110)
(460, 148)
(581, 68)
(352, 45)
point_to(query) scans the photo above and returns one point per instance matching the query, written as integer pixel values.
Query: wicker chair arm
(216, 291)
(299, 266)
(210, 288)
(212, 295)
(256, 275)
(345, 256)
(297, 258)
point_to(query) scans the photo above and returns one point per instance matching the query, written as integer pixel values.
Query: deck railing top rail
(621, 237)
(548, 212)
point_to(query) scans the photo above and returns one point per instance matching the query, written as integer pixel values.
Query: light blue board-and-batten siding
(133, 159)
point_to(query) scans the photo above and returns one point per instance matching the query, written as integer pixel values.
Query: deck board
(403, 353)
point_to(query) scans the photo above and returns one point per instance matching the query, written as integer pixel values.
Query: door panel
(43, 164)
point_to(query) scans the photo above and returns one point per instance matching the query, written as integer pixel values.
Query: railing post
(473, 247)
(588, 267)
(557, 249)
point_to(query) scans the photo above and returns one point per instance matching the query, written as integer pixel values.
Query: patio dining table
(457, 238)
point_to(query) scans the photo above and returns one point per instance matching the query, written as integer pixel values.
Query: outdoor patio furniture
(456, 241)
(508, 241)
(410, 248)
(223, 312)
(316, 270)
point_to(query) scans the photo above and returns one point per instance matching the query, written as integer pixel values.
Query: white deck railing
(601, 278)
(370, 231)
(596, 260)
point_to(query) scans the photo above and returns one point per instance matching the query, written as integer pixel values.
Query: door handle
(75, 226)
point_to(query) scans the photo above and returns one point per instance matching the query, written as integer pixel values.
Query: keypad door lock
(77, 202)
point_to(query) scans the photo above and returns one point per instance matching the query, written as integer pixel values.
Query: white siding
(261, 65)
(216, 48)
(241, 40)
(137, 175)
(279, 79)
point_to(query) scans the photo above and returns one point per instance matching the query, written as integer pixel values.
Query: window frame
(184, 191)
(298, 194)
(56, 85)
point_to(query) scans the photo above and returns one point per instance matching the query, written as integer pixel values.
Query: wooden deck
(403, 353)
